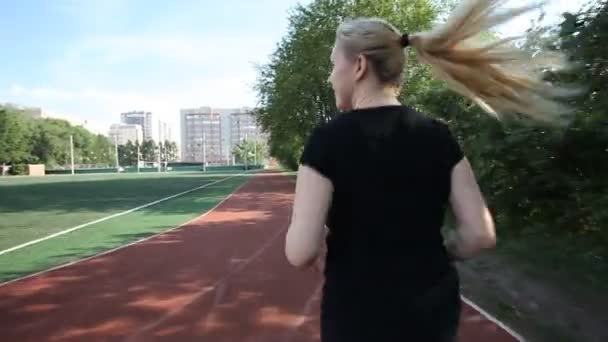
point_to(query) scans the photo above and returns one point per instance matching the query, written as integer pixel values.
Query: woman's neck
(378, 98)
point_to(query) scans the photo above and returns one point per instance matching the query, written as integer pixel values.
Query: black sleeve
(317, 153)
(453, 152)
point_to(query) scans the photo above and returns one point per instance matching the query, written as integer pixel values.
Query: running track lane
(222, 277)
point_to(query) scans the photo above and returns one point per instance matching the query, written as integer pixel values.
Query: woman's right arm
(475, 230)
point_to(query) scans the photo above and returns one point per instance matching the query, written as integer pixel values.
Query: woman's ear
(361, 67)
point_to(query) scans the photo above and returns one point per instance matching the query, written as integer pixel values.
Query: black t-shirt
(390, 167)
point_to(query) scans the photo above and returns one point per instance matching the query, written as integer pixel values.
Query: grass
(32, 208)
(39, 208)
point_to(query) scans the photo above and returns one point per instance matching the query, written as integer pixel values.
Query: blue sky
(93, 59)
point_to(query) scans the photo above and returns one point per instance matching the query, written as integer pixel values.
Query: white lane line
(493, 319)
(69, 230)
(127, 245)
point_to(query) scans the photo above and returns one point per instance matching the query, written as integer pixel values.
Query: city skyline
(201, 137)
(143, 119)
(122, 134)
(87, 61)
(215, 130)
(151, 128)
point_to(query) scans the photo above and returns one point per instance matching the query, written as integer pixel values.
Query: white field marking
(127, 245)
(493, 319)
(107, 175)
(69, 230)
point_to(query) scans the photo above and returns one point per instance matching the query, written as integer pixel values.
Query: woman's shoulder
(351, 121)
(335, 124)
(423, 120)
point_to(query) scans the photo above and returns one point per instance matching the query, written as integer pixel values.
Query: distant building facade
(123, 133)
(201, 135)
(224, 129)
(144, 119)
(243, 126)
(166, 131)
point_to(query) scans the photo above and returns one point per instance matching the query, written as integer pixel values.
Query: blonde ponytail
(503, 80)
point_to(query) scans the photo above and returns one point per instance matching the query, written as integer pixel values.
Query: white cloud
(93, 15)
(102, 107)
(40, 93)
(98, 78)
(117, 59)
(161, 74)
(553, 11)
(93, 125)
(218, 49)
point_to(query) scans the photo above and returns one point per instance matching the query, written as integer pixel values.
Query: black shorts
(432, 316)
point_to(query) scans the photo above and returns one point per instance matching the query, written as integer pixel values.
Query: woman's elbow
(299, 261)
(299, 258)
(489, 240)
(483, 234)
(297, 255)
(486, 240)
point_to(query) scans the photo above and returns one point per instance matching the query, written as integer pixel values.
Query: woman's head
(368, 56)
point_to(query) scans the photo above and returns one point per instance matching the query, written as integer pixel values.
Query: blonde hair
(503, 80)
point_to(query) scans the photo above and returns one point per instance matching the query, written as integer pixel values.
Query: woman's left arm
(307, 229)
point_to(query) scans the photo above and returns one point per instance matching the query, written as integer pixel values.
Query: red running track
(222, 277)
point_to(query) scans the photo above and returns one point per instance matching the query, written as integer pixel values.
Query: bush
(18, 169)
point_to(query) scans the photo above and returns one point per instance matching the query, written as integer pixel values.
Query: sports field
(82, 260)
(99, 209)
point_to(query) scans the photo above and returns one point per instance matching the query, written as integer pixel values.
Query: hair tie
(405, 40)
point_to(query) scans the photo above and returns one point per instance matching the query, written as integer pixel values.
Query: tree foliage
(293, 90)
(148, 152)
(26, 140)
(15, 135)
(536, 179)
(250, 151)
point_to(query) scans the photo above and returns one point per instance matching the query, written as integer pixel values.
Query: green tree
(15, 136)
(250, 151)
(51, 142)
(539, 179)
(47, 141)
(148, 151)
(292, 88)
(101, 150)
(161, 148)
(127, 154)
(170, 150)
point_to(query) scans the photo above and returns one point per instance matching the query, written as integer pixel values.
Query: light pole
(116, 153)
(204, 152)
(137, 142)
(72, 152)
(255, 151)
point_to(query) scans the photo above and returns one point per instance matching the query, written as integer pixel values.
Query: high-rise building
(166, 131)
(144, 119)
(201, 129)
(123, 133)
(243, 126)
